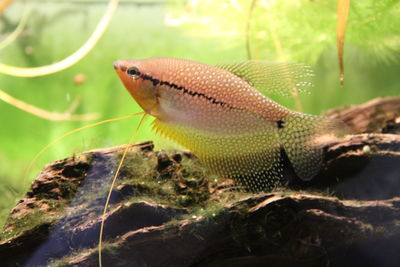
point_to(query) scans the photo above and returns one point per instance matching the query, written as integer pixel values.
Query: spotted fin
(272, 77)
(302, 136)
(252, 159)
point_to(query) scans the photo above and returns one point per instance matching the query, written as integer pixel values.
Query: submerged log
(378, 115)
(268, 230)
(166, 210)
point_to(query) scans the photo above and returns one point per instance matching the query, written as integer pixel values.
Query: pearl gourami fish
(222, 116)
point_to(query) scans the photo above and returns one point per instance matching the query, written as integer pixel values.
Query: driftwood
(378, 115)
(168, 211)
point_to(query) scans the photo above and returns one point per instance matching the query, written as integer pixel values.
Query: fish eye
(133, 72)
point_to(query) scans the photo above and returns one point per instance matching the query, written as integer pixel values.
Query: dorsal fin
(272, 77)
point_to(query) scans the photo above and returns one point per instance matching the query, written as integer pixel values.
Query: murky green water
(205, 31)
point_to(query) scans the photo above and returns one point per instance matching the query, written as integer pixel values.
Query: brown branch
(370, 117)
(342, 15)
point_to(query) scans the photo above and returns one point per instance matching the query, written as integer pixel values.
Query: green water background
(210, 32)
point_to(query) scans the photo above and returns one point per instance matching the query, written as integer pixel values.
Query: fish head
(137, 79)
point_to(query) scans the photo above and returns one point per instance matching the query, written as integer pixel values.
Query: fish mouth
(118, 66)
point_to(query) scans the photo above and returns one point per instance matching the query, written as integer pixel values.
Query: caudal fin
(303, 136)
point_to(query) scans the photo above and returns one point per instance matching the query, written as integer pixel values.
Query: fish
(222, 114)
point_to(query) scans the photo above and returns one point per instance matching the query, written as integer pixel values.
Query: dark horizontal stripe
(184, 90)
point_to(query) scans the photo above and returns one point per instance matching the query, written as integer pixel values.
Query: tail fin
(302, 137)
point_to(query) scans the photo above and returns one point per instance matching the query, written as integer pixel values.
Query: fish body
(217, 112)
